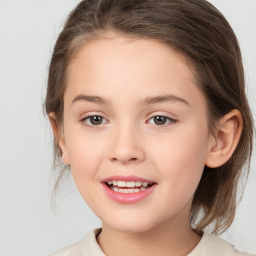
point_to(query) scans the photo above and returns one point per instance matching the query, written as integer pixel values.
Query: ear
(226, 138)
(59, 137)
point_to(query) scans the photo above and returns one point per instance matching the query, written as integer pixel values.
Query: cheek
(180, 159)
(85, 155)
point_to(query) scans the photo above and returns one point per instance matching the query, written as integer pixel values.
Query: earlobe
(59, 137)
(227, 135)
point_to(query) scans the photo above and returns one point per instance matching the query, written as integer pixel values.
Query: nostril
(127, 156)
(123, 159)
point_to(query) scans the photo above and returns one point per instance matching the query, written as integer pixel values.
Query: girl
(147, 105)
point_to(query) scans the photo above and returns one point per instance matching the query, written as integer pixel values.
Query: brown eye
(161, 120)
(94, 120)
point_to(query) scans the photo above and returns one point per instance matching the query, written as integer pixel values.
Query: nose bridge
(127, 145)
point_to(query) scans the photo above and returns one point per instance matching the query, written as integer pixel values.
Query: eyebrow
(94, 99)
(164, 98)
(147, 101)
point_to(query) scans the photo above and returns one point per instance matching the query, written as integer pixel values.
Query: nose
(127, 146)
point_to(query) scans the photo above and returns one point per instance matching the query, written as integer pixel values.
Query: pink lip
(127, 178)
(127, 198)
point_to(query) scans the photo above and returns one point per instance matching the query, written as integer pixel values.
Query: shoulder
(74, 250)
(212, 245)
(87, 247)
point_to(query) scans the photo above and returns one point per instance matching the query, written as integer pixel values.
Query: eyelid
(171, 120)
(88, 116)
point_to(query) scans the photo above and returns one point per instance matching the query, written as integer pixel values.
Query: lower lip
(128, 198)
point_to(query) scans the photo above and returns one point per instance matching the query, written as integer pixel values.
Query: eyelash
(88, 118)
(170, 120)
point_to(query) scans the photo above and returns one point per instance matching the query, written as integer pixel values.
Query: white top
(209, 245)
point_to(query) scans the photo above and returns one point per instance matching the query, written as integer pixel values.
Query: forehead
(112, 50)
(113, 65)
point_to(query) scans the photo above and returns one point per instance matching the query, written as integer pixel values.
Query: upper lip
(127, 178)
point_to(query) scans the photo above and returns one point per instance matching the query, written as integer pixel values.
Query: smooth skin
(150, 120)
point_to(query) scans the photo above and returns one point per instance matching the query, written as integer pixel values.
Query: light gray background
(28, 226)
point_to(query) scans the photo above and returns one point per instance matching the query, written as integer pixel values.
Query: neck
(169, 238)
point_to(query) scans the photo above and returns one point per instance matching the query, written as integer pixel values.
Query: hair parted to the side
(200, 32)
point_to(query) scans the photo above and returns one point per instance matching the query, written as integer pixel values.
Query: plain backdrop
(28, 226)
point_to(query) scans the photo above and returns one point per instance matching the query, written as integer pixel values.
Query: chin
(131, 225)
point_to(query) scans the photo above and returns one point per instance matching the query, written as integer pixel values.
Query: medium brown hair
(200, 32)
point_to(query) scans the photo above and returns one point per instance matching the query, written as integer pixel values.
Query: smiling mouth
(127, 187)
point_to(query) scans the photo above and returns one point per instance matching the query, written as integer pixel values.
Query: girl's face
(132, 109)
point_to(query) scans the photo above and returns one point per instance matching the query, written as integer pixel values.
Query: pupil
(160, 120)
(96, 120)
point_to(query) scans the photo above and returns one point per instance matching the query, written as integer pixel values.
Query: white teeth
(130, 184)
(127, 190)
(145, 184)
(124, 186)
(127, 184)
(138, 183)
(121, 184)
